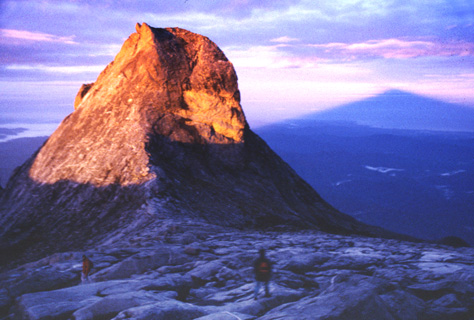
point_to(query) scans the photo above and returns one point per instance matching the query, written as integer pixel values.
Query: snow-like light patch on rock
(439, 268)
(437, 256)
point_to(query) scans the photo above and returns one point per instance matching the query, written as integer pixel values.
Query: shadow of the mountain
(397, 109)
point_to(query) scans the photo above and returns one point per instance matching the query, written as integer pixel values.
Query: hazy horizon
(40, 119)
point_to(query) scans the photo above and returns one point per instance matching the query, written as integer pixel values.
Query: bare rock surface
(157, 177)
(160, 134)
(145, 276)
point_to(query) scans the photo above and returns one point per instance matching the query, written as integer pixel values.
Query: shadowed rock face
(160, 134)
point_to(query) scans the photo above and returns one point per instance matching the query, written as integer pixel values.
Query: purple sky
(292, 56)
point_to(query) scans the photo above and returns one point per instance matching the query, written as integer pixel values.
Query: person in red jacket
(86, 269)
(263, 272)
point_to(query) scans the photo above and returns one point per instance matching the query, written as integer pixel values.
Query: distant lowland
(20, 138)
(15, 152)
(400, 161)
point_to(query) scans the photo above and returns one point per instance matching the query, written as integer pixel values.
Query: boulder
(110, 306)
(205, 272)
(437, 289)
(404, 305)
(356, 298)
(448, 307)
(171, 282)
(54, 310)
(63, 302)
(141, 262)
(351, 262)
(41, 279)
(295, 281)
(447, 301)
(226, 315)
(225, 273)
(164, 310)
(247, 305)
(306, 262)
(192, 250)
(56, 304)
(236, 294)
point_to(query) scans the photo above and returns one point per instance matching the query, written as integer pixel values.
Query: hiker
(263, 271)
(86, 269)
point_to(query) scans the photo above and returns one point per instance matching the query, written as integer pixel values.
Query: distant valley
(417, 182)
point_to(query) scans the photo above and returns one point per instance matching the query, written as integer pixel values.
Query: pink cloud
(398, 49)
(22, 35)
(284, 39)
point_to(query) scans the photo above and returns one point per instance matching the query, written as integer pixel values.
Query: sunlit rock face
(160, 135)
(169, 82)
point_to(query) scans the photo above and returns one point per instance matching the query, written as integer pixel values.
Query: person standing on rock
(263, 272)
(86, 269)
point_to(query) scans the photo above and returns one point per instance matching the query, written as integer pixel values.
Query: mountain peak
(144, 30)
(167, 82)
(159, 135)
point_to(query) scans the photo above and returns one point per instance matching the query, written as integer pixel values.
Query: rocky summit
(160, 134)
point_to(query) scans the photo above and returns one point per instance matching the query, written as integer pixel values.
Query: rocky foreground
(190, 270)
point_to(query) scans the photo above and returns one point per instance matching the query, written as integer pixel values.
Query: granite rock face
(167, 82)
(160, 134)
(145, 276)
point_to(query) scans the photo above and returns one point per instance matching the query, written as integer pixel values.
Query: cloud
(290, 53)
(57, 69)
(268, 57)
(24, 35)
(396, 49)
(284, 39)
